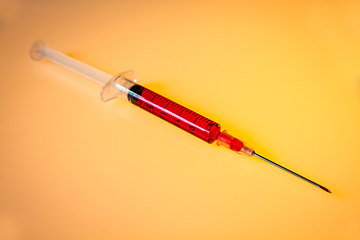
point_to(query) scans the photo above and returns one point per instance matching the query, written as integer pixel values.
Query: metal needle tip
(293, 173)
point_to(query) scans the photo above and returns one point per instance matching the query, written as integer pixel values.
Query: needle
(293, 173)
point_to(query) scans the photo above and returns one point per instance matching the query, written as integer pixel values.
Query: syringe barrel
(39, 50)
(174, 113)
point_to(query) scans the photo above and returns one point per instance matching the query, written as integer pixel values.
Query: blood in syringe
(174, 113)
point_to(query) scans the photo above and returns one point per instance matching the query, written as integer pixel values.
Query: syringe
(124, 85)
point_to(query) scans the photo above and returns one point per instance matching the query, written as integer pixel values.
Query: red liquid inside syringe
(174, 113)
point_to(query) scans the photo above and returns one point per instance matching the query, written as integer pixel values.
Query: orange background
(284, 76)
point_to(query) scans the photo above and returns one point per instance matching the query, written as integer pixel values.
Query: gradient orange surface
(283, 76)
